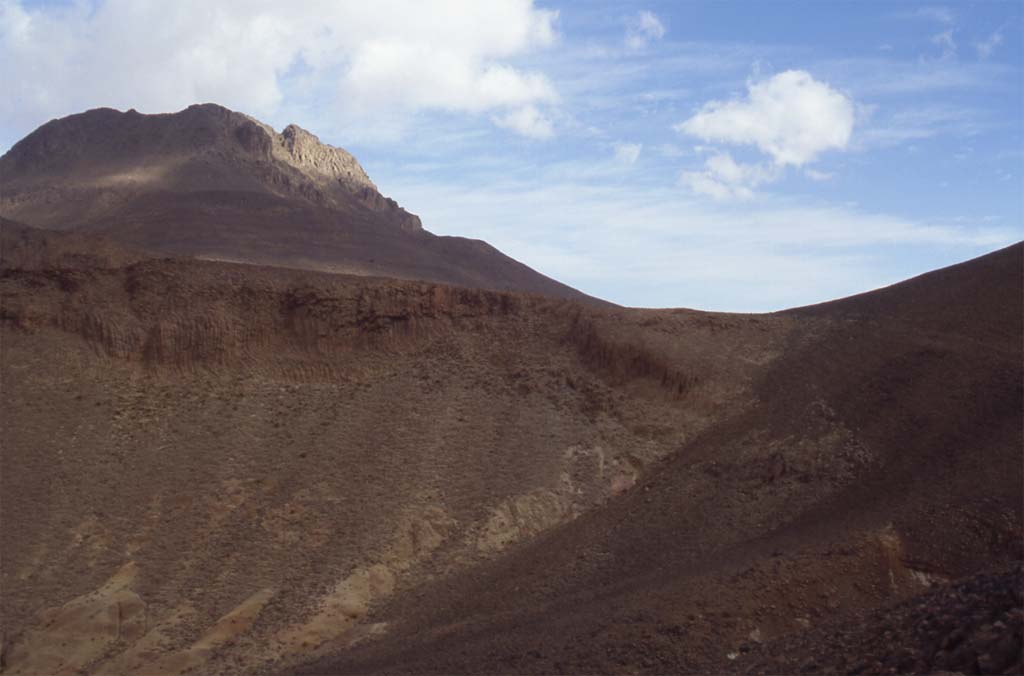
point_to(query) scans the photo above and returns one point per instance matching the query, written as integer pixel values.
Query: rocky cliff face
(304, 151)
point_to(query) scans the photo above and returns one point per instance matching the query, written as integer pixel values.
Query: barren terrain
(236, 468)
(224, 468)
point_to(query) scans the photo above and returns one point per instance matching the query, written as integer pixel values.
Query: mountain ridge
(179, 151)
(213, 183)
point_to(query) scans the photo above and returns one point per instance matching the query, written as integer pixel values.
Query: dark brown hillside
(26, 248)
(226, 468)
(238, 462)
(212, 183)
(973, 297)
(880, 456)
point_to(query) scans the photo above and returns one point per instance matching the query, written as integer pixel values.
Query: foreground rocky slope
(206, 461)
(217, 184)
(879, 454)
(234, 469)
(974, 626)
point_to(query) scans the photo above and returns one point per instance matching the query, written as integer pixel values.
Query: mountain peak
(204, 147)
(213, 183)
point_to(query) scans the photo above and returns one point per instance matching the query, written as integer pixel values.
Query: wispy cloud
(871, 77)
(642, 29)
(945, 42)
(988, 45)
(936, 13)
(527, 121)
(670, 150)
(724, 178)
(628, 153)
(920, 121)
(655, 246)
(940, 15)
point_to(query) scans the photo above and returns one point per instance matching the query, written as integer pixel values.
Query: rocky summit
(212, 183)
(202, 148)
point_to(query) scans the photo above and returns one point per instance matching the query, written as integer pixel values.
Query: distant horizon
(727, 157)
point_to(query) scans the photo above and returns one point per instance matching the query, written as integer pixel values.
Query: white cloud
(724, 178)
(988, 45)
(643, 28)
(383, 58)
(702, 183)
(791, 116)
(424, 76)
(527, 121)
(628, 153)
(816, 175)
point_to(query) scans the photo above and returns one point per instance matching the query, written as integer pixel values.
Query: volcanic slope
(213, 183)
(225, 465)
(878, 454)
(241, 469)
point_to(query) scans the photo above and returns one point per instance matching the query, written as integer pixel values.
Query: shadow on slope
(882, 456)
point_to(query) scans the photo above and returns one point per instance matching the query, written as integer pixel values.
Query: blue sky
(729, 156)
